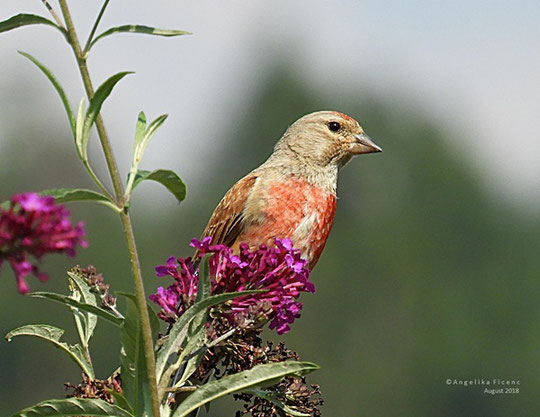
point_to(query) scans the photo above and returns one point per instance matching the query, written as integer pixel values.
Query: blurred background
(432, 268)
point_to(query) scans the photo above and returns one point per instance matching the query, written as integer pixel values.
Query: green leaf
(204, 283)
(104, 90)
(168, 178)
(121, 401)
(142, 138)
(192, 344)
(65, 195)
(84, 290)
(254, 377)
(73, 407)
(71, 195)
(57, 86)
(133, 369)
(196, 334)
(141, 141)
(179, 329)
(155, 323)
(25, 19)
(53, 335)
(62, 299)
(139, 29)
(79, 131)
(68, 195)
(94, 107)
(269, 396)
(140, 128)
(85, 322)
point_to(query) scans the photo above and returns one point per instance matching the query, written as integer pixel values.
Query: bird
(292, 195)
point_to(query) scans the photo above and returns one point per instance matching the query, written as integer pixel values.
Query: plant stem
(53, 14)
(97, 180)
(94, 28)
(144, 318)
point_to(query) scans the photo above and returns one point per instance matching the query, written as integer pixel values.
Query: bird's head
(324, 138)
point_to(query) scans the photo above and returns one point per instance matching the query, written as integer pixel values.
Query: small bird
(293, 194)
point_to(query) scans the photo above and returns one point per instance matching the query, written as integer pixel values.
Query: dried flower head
(280, 270)
(244, 350)
(97, 285)
(291, 391)
(34, 226)
(96, 388)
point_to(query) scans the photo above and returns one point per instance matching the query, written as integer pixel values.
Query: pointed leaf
(133, 369)
(68, 195)
(196, 335)
(24, 19)
(242, 380)
(121, 401)
(79, 131)
(57, 86)
(168, 178)
(194, 340)
(73, 407)
(64, 195)
(53, 335)
(179, 329)
(62, 299)
(192, 364)
(94, 107)
(140, 129)
(142, 141)
(139, 29)
(81, 292)
(83, 288)
(142, 138)
(155, 323)
(101, 94)
(204, 283)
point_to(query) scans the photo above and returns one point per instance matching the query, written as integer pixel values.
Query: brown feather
(226, 223)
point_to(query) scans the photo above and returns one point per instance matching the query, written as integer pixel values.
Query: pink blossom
(33, 226)
(280, 270)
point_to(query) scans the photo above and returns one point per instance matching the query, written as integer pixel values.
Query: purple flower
(34, 226)
(167, 300)
(280, 270)
(182, 293)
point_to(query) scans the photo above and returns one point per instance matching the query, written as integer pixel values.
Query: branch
(53, 14)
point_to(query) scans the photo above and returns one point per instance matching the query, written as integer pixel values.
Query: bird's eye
(334, 126)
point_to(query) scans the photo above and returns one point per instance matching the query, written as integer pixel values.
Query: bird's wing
(226, 223)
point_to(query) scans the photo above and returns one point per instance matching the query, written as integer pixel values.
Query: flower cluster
(35, 225)
(279, 270)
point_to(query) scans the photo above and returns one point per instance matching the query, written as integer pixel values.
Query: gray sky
(473, 65)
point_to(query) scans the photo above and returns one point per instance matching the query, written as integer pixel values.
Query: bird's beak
(363, 144)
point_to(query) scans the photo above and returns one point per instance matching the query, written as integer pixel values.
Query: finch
(293, 194)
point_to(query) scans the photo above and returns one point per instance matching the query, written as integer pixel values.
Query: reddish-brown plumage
(294, 209)
(293, 194)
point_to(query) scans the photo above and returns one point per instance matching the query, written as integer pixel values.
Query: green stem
(129, 186)
(94, 28)
(124, 215)
(97, 180)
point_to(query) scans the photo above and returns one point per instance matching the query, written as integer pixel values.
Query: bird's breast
(295, 209)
